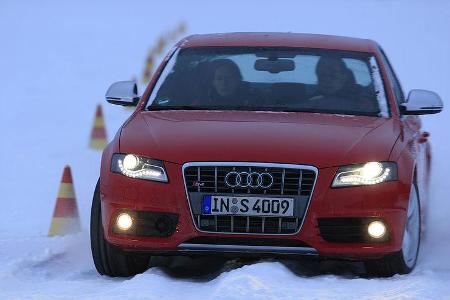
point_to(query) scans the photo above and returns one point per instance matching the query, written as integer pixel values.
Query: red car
(266, 144)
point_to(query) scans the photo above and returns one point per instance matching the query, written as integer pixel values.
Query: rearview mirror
(422, 102)
(123, 93)
(274, 65)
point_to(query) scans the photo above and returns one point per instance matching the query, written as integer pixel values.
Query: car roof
(279, 39)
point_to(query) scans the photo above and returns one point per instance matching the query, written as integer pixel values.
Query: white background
(56, 61)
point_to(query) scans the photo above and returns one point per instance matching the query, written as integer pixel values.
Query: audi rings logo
(252, 180)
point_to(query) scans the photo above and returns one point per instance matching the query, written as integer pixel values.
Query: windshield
(271, 79)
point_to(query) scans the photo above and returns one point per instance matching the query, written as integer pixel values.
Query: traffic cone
(65, 215)
(148, 69)
(181, 29)
(98, 134)
(160, 45)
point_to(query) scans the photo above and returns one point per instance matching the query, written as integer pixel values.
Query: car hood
(321, 140)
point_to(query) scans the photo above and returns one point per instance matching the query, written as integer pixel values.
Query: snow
(61, 268)
(57, 59)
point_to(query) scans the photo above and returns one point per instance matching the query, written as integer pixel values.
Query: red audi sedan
(266, 144)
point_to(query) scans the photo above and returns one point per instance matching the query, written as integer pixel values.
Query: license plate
(248, 206)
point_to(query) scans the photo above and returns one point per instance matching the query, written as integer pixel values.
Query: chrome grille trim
(245, 248)
(249, 164)
(215, 179)
(198, 178)
(300, 179)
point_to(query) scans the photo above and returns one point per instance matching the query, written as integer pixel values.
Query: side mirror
(123, 93)
(422, 102)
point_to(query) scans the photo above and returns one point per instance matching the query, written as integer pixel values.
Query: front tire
(404, 261)
(108, 259)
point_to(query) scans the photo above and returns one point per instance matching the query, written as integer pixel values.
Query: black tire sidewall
(96, 233)
(405, 268)
(108, 259)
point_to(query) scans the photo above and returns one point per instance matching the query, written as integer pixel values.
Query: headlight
(365, 174)
(140, 167)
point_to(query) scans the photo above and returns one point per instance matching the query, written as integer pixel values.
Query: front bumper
(386, 201)
(234, 251)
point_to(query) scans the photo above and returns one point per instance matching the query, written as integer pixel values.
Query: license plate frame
(248, 206)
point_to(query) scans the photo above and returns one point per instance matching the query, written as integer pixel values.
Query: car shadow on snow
(311, 268)
(208, 268)
(199, 269)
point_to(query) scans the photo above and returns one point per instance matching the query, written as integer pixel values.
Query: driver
(333, 78)
(337, 89)
(227, 85)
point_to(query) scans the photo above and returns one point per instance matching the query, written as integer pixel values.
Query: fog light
(376, 229)
(124, 221)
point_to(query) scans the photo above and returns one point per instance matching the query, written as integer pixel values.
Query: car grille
(246, 242)
(242, 224)
(294, 182)
(286, 181)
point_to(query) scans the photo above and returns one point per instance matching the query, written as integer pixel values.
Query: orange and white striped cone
(181, 29)
(148, 69)
(65, 215)
(160, 45)
(98, 134)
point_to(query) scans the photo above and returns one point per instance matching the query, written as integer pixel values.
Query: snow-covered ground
(57, 59)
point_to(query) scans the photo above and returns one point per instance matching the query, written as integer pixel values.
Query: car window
(272, 79)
